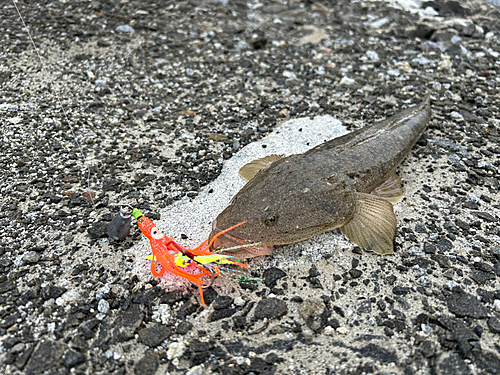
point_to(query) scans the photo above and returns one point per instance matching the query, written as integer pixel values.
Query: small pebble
(103, 306)
(125, 29)
(176, 350)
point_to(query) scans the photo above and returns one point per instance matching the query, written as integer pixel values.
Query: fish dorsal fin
(373, 225)
(248, 171)
(393, 189)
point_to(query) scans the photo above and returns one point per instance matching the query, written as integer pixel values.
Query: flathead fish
(349, 182)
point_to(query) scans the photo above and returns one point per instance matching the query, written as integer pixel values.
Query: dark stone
(189, 308)
(87, 328)
(380, 354)
(355, 273)
(55, 199)
(197, 346)
(46, 355)
(421, 319)
(314, 312)
(429, 248)
(98, 230)
(454, 8)
(272, 358)
(398, 315)
(222, 302)
(184, 327)
(271, 275)
(464, 304)
(315, 283)
(454, 50)
(52, 292)
(221, 314)
(259, 366)
(394, 324)
(111, 185)
(428, 348)
(7, 286)
(444, 35)
(486, 296)
(154, 334)
(209, 295)
(200, 351)
(146, 296)
(339, 311)
(444, 245)
(496, 268)
(487, 360)
(459, 333)
(442, 260)
(478, 330)
(239, 322)
(484, 216)
(480, 277)
(419, 228)
(462, 225)
(270, 308)
(334, 323)
(423, 31)
(400, 290)
(364, 306)
(78, 343)
(381, 305)
(23, 358)
(127, 323)
(495, 251)
(147, 364)
(482, 266)
(10, 320)
(120, 328)
(172, 297)
(494, 325)
(313, 271)
(448, 363)
(259, 43)
(72, 358)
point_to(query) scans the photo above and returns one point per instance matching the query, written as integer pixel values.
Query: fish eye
(270, 219)
(156, 234)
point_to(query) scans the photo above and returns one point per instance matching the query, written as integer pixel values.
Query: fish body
(349, 182)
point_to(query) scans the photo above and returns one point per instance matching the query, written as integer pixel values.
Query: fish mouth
(231, 245)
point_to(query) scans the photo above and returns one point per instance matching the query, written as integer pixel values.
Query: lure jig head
(119, 227)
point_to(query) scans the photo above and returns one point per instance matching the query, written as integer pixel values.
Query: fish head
(281, 212)
(239, 247)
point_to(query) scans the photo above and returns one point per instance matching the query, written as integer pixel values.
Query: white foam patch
(194, 216)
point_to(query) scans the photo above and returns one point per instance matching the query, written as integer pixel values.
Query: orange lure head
(149, 229)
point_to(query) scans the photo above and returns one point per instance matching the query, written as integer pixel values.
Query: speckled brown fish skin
(302, 195)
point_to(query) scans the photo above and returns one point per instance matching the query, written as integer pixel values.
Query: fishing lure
(169, 255)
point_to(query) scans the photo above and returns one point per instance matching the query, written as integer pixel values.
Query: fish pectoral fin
(373, 225)
(393, 189)
(248, 171)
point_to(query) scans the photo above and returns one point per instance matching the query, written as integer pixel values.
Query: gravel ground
(159, 95)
